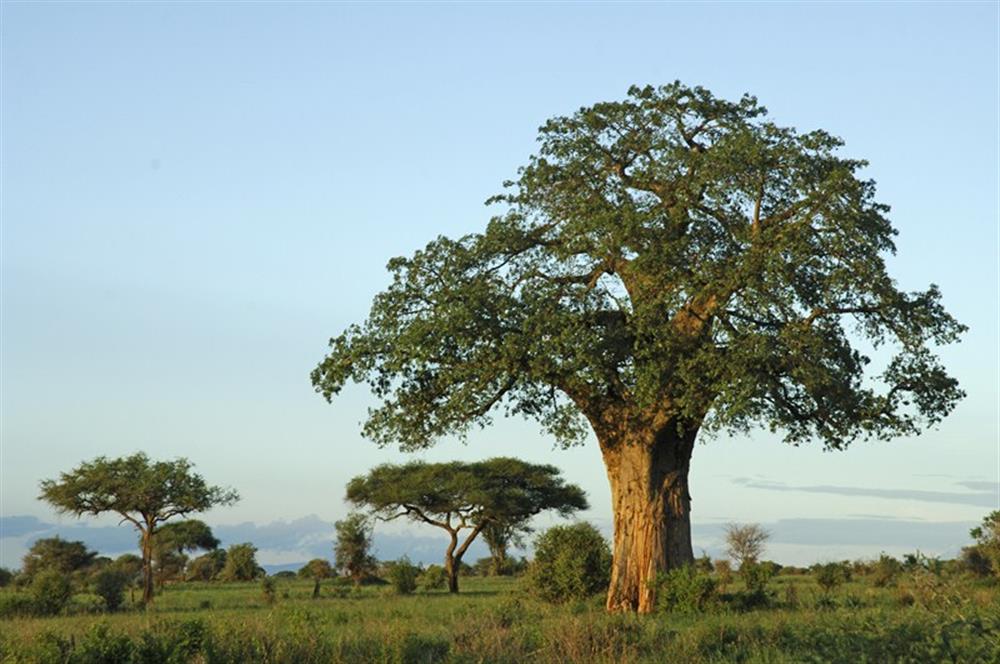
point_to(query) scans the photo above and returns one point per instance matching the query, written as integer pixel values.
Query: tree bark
(648, 473)
(451, 564)
(147, 567)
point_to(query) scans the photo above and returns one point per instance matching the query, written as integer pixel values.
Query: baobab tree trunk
(648, 472)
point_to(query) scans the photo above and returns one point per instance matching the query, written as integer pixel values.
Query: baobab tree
(665, 265)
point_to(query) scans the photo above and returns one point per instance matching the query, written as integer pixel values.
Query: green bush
(830, 575)
(269, 588)
(17, 604)
(757, 575)
(571, 562)
(403, 576)
(50, 592)
(685, 589)
(433, 578)
(885, 570)
(109, 584)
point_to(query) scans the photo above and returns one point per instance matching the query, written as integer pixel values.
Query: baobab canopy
(664, 264)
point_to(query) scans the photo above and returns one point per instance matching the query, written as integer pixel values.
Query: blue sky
(195, 196)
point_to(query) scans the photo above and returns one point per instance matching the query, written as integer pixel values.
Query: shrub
(885, 570)
(571, 562)
(433, 578)
(830, 575)
(724, 573)
(50, 591)
(109, 585)
(269, 587)
(403, 576)
(14, 605)
(975, 562)
(757, 575)
(685, 589)
(6, 576)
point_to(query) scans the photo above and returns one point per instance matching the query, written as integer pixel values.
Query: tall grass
(493, 621)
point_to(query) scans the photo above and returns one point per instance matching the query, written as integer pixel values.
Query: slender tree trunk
(499, 560)
(648, 472)
(147, 567)
(451, 563)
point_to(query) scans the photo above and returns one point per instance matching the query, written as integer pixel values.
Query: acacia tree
(173, 540)
(665, 265)
(499, 535)
(144, 493)
(459, 496)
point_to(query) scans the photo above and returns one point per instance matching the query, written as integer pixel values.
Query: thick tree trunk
(648, 473)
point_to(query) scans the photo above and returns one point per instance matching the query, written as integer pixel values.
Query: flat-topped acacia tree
(142, 492)
(459, 496)
(667, 264)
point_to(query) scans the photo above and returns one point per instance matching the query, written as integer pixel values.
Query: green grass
(492, 620)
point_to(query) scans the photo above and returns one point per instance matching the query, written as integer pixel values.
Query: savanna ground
(921, 617)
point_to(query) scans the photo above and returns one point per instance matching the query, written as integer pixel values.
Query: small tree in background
(316, 569)
(353, 549)
(172, 542)
(241, 563)
(6, 576)
(499, 536)
(460, 496)
(207, 567)
(745, 542)
(57, 554)
(145, 493)
(983, 557)
(571, 562)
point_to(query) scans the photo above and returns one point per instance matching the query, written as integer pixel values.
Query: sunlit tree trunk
(648, 473)
(147, 565)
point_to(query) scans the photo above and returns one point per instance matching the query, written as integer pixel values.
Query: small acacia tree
(173, 541)
(745, 542)
(666, 264)
(144, 493)
(499, 536)
(459, 497)
(353, 548)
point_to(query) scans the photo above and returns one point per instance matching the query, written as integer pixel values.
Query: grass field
(923, 618)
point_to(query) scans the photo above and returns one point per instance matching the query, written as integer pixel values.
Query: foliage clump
(241, 563)
(50, 591)
(353, 548)
(109, 584)
(403, 575)
(686, 589)
(831, 575)
(571, 562)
